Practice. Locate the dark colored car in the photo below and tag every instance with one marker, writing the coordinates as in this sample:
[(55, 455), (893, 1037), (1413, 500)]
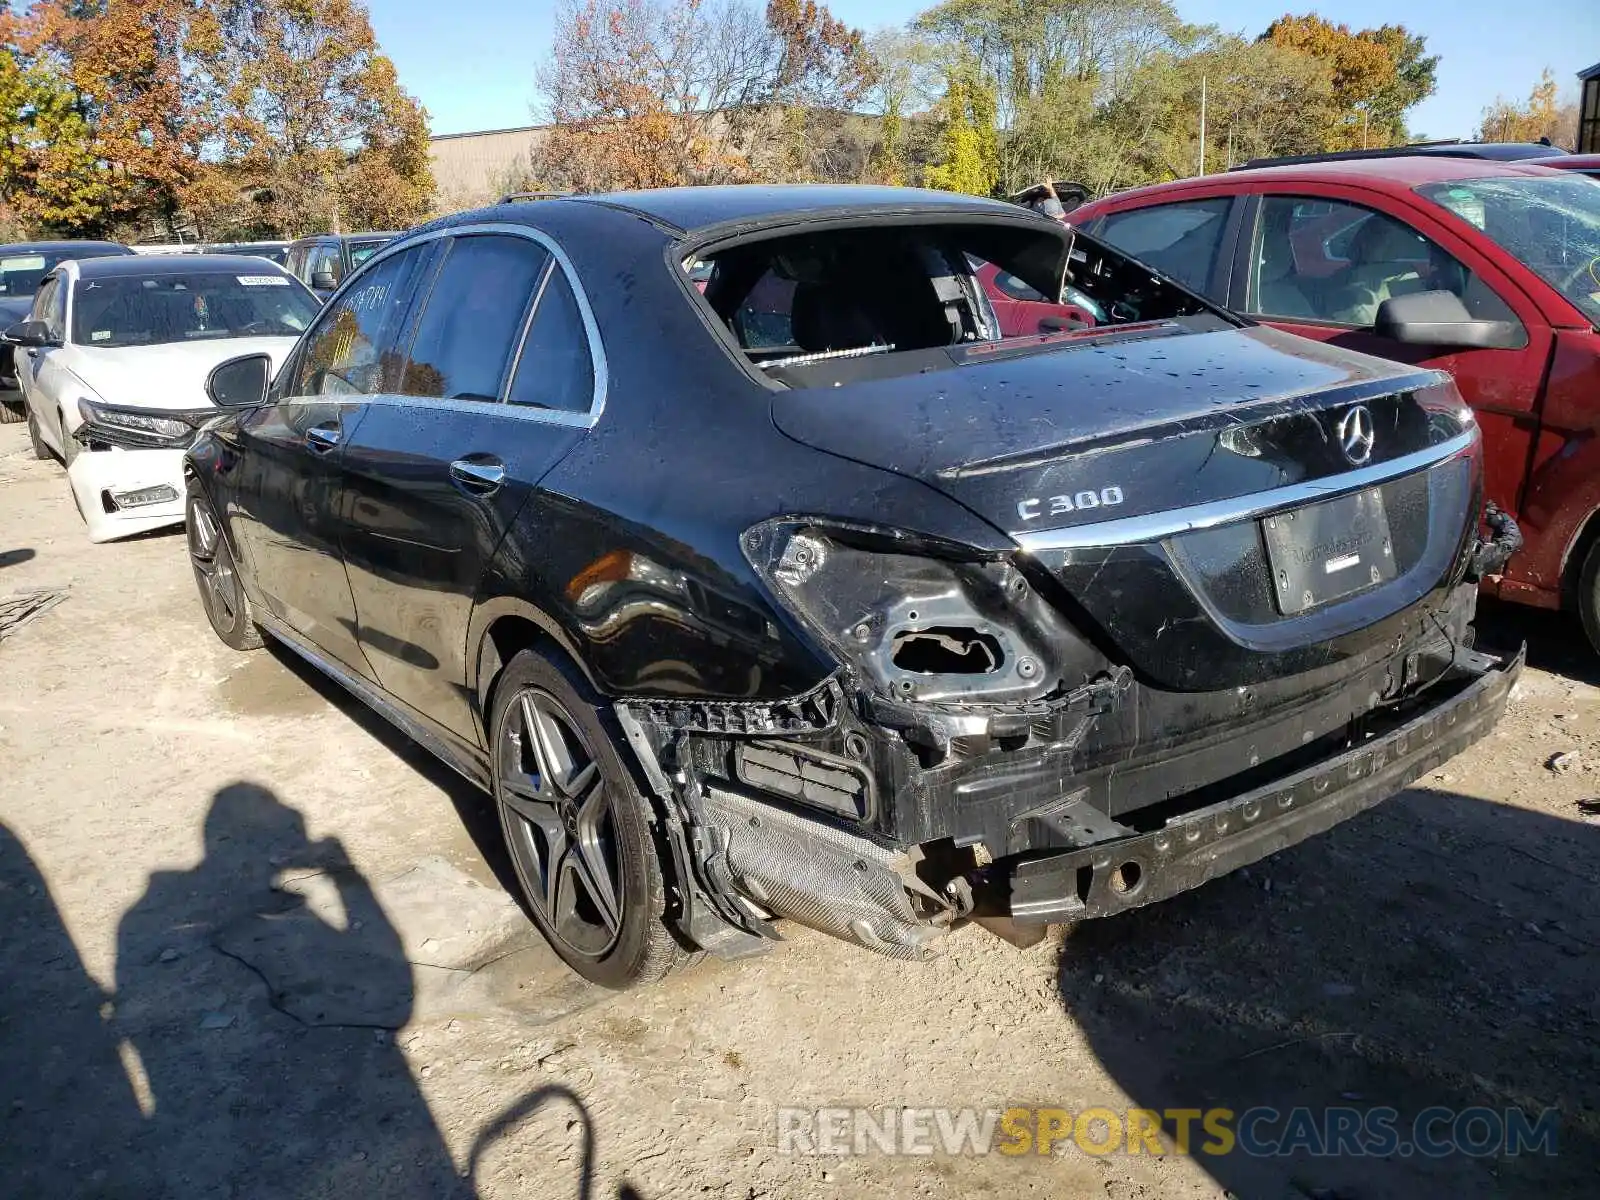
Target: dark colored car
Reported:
[(811, 596), (1484, 151), (22, 266), (323, 261), (277, 252), (1490, 271)]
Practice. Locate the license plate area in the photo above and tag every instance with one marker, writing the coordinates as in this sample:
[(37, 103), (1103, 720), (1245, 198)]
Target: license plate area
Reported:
[(1324, 552)]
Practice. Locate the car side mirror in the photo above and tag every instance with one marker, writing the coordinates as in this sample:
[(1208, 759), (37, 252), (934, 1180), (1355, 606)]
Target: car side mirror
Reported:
[(31, 333), (323, 281), (1440, 319), (240, 382)]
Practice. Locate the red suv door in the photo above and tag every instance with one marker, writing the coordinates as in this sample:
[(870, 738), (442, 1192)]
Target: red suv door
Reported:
[(1320, 262)]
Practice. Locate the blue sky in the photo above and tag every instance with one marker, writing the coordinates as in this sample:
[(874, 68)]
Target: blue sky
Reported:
[(472, 62)]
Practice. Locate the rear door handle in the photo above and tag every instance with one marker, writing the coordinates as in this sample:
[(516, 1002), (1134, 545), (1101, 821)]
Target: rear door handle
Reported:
[(322, 438), (480, 476)]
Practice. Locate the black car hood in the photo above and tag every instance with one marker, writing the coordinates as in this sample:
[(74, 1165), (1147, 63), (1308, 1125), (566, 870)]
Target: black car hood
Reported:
[(14, 309), (1136, 421)]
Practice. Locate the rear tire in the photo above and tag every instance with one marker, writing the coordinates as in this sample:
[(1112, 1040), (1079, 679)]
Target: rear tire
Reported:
[(577, 827), (1587, 597), (216, 574), (40, 450), (13, 412)]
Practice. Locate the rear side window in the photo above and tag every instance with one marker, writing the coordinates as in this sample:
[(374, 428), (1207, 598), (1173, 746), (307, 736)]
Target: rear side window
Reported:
[(361, 251), (556, 370), (1180, 240), (351, 350), (475, 311)]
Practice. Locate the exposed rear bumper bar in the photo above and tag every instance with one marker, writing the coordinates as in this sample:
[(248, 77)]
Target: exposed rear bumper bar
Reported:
[(1197, 847)]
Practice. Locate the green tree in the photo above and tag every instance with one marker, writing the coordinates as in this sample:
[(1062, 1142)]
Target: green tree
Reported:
[(1378, 75), (968, 144)]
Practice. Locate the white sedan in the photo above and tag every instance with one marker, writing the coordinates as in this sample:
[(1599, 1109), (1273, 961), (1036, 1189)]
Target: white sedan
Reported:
[(113, 362)]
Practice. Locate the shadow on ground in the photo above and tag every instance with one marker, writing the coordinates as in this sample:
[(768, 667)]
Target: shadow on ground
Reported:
[(1437, 951), (248, 1049), (1555, 640), (473, 806)]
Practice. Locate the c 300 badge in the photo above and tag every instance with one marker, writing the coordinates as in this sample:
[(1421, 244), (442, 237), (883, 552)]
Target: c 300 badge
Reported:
[(1035, 507)]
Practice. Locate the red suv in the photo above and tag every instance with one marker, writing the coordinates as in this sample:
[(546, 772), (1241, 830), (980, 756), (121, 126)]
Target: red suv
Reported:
[(1488, 270)]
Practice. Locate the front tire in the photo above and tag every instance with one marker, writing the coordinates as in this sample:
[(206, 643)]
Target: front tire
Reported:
[(13, 412), (217, 575), (40, 450), (577, 827)]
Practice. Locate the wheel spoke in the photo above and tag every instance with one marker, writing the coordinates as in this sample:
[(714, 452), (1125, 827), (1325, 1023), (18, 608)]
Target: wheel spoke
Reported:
[(558, 819), (591, 862)]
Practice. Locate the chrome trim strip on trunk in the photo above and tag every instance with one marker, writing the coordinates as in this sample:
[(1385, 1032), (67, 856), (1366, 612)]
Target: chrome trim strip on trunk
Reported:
[(1155, 527)]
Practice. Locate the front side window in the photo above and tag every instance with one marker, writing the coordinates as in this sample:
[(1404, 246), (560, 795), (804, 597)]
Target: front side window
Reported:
[(1326, 260), (325, 261), (353, 349), (474, 314), (146, 310), (1549, 224), (44, 305), (556, 370), (1180, 240)]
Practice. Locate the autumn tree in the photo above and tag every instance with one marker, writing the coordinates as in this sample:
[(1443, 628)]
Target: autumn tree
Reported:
[(1378, 75), (1542, 115), (968, 143), (652, 93), (51, 175), (123, 61), (313, 131)]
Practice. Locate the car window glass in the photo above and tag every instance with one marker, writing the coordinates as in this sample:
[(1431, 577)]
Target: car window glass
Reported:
[(474, 313), (1016, 288), (361, 251), (43, 299), (764, 320), (297, 263), (21, 274), (352, 347), (327, 259), (1180, 240), (555, 370), (1325, 260)]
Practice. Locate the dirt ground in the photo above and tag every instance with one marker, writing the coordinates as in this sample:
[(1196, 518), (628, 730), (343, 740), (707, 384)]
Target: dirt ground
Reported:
[(255, 945)]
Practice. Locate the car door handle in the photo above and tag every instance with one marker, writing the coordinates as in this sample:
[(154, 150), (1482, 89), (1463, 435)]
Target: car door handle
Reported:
[(322, 438), (479, 476)]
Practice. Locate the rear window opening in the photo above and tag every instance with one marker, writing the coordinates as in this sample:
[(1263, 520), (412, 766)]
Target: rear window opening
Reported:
[(887, 298)]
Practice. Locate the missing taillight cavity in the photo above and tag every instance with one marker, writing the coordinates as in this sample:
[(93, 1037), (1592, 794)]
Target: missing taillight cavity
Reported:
[(946, 650)]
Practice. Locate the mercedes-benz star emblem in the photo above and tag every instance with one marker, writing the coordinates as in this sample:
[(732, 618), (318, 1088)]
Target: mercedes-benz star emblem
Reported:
[(1356, 435)]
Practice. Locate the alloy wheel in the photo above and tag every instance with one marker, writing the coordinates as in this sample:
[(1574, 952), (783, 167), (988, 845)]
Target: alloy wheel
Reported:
[(559, 822), (214, 565)]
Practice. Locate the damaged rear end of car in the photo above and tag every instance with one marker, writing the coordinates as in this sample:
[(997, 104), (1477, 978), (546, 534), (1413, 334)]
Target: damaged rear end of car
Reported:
[(1227, 603)]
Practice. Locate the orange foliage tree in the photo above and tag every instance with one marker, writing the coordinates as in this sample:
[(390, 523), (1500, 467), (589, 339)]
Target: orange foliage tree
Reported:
[(1378, 76), (655, 93)]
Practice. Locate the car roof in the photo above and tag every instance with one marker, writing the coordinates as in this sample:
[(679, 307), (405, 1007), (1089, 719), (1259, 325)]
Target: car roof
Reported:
[(687, 209), (1572, 162), (1401, 173), (66, 245), (171, 264), (318, 238)]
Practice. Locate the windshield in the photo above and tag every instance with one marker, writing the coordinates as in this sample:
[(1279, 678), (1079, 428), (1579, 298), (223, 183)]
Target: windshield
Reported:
[(134, 310), (20, 274), (1552, 225)]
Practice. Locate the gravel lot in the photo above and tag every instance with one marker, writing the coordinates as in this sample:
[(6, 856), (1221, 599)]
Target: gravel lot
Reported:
[(255, 945)]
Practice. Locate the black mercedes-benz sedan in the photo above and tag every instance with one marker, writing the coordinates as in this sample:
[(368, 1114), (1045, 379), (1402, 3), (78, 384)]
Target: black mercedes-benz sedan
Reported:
[(720, 536)]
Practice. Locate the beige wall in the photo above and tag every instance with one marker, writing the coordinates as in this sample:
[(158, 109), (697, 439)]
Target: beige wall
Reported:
[(473, 169)]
